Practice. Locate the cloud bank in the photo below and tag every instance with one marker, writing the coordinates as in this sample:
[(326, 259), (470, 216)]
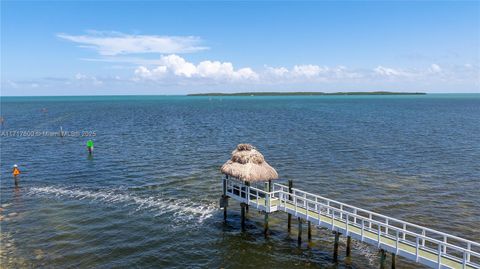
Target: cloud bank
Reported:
[(173, 68), (116, 43), (176, 66)]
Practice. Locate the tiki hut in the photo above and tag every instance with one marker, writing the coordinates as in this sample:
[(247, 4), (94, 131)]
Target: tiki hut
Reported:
[(248, 164)]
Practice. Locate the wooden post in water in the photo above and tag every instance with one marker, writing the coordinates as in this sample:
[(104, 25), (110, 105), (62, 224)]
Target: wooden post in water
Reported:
[(349, 241), (225, 198), (394, 257), (248, 190), (383, 257), (299, 231), (290, 186), (335, 246), (309, 231), (268, 188), (242, 205)]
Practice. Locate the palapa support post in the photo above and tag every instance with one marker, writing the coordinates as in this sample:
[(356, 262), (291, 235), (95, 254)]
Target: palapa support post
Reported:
[(394, 257), (224, 199), (242, 206), (265, 226), (290, 186), (299, 239), (335, 246), (248, 190), (225, 212), (349, 241), (383, 257), (309, 231), (268, 186)]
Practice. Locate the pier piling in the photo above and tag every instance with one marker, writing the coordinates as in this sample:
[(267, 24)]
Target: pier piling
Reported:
[(224, 200), (265, 226), (268, 188), (335, 246), (290, 186), (349, 241), (309, 234), (248, 188), (299, 239), (383, 257), (394, 257), (242, 205), (225, 213)]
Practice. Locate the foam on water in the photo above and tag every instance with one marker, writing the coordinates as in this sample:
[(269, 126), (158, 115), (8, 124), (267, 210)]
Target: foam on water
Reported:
[(181, 209)]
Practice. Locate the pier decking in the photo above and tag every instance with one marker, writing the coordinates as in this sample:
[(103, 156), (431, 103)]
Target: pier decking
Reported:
[(420, 244)]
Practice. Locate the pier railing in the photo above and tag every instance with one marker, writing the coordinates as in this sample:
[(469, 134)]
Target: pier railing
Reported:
[(418, 243), (258, 198)]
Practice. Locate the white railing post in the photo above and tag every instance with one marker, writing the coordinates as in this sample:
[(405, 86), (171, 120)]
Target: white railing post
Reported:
[(464, 262), (280, 198), (469, 248), (328, 208), (423, 238), (444, 250), (416, 249), (439, 256), (386, 226), (355, 216), (363, 227), (306, 211), (333, 219), (346, 226), (396, 243), (404, 229), (295, 201), (379, 232), (370, 221), (319, 208), (341, 212), (267, 196)]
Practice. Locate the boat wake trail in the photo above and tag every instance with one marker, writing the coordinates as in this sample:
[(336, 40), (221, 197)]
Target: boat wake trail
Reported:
[(181, 209)]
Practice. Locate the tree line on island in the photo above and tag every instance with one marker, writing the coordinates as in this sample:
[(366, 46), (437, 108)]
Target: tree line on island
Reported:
[(305, 93)]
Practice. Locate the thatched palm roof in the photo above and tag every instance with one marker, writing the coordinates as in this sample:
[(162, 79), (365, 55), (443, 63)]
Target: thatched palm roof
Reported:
[(248, 164)]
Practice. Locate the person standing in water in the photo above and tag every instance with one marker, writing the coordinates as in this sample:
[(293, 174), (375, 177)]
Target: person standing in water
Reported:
[(16, 173), (90, 147)]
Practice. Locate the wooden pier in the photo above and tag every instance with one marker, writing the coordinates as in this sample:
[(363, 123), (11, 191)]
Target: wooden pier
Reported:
[(420, 244)]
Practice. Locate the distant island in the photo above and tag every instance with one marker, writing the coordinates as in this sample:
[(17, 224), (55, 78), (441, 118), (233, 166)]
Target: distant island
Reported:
[(304, 93)]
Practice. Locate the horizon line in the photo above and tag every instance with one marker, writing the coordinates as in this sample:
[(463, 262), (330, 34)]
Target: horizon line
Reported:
[(224, 94)]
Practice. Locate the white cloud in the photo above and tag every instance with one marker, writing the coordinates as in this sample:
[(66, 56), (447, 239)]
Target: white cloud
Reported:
[(276, 71), (80, 76), (390, 72), (115, 43), (179, 67), (89, 79), (309, 73), (308, 70), (435, 68)]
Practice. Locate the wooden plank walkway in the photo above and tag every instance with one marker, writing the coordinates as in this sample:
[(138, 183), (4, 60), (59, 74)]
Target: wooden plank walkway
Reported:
[(363, 227)]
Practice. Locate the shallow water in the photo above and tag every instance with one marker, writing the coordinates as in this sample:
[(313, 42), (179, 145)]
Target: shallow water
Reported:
[(149, 195)]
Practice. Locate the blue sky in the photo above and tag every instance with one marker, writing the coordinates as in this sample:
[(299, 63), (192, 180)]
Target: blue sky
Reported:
[(83, 48)]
